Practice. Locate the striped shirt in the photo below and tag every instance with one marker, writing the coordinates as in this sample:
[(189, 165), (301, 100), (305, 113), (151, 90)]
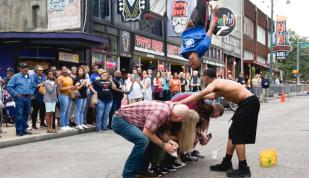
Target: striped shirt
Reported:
[(147, 114)]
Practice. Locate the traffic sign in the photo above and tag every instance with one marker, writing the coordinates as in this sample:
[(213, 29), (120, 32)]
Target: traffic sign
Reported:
[(304, 45)]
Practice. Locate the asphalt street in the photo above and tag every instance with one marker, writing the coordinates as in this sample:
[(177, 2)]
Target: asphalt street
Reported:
[(284, 126)]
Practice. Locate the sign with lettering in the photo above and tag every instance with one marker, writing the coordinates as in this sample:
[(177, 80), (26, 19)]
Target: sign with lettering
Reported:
[(132, 10), (226, 21), (178, 13), (231, 45), (281, 35), (173, 51), (64, 14), (68, 57), (148, 45), (281, 55)]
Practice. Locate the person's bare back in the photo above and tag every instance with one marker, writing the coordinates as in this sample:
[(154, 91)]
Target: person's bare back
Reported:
[(230, 90)]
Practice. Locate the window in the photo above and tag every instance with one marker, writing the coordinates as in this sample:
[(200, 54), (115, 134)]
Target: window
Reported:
[(261, 35), (261, 59), (248, 27), (35, 11), (248, 55), (101, 9)]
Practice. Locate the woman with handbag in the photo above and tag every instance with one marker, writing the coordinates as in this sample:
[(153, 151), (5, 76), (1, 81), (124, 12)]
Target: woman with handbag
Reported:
[(158, 87), (49, 90), (102, 88), (80, 83)]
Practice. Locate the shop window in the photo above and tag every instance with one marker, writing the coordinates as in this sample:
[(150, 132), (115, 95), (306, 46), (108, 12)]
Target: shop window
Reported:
[(98, 59), (101, 9), (111, 63), (152, 23), (248, 55)]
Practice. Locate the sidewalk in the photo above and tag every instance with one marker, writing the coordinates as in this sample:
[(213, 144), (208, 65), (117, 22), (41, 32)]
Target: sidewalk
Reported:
[(8, 136)]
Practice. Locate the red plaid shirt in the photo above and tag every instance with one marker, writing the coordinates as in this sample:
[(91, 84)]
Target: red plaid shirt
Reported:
[(148, 114)]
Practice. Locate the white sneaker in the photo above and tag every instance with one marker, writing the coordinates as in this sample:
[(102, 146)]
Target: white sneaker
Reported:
[(79, 127), (63, 129), (84, 126), (70, 128)]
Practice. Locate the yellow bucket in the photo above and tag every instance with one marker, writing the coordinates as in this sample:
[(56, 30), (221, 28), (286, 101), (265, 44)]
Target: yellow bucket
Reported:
[(268, 158)]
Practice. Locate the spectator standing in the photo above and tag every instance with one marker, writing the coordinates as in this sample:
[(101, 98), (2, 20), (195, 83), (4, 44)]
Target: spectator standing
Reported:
[(188, 79), (50, 100), (147, 86), (158, 87), (80, 83), (240, 79), (265, 87), (117, 96), (166, 87), (175, 84), (183, 82), (66, 87), (95, 74), (21, 87), (136, 90), (37, 102), (103, 88), (255, 85), (277, 81), (195, 82), (74, 71), (9, 75)]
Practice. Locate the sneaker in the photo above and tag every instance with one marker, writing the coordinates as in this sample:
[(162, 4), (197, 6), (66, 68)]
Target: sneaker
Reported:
[(224, 166), (189, 157), (178, 161), (69, 128), (176, 165), (63, 129), (143, 174), (79, 127), (157, 170), (84, 126), (197, 154), (43, 125), (34, 127), (240, 172), (171, 169)]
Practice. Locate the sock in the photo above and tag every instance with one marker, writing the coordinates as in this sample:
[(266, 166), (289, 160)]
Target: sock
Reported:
[(228, 157), (243, 163)]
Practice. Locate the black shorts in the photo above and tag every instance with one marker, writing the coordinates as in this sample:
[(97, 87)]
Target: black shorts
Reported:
[(243, 128), (199, 14)]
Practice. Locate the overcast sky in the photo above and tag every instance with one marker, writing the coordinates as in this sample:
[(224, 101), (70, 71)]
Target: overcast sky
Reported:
[(297, 12)]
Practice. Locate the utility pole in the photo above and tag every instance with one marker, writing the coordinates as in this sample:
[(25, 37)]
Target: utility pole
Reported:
[(271, 41), (297, 62)]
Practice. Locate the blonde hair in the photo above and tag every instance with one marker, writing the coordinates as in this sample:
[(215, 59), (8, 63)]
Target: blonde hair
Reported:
[(102, 71), (187, 133)]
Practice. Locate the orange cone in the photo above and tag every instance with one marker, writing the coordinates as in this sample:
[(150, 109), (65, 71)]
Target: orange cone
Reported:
[(282, 98)]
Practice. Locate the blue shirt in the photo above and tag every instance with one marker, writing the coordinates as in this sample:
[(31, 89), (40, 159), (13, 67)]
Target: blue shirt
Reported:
[(196, 40), (166, 85), (20, 84), (37, 80)]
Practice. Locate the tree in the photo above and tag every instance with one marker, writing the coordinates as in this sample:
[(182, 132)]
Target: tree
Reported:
[(288, 65)]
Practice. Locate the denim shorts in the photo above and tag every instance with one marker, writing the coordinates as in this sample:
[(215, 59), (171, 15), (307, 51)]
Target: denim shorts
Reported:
[(50, 107)]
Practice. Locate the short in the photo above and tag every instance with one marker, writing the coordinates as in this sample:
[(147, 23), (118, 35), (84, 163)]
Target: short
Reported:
[(199, 14), (50, 107), (244, 126)]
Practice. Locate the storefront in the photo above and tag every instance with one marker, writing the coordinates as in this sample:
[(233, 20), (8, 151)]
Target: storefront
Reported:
[(125, 50), (232, 53), (45, 49), (149, 54), (214, 59), (177, 62), (106, 55)]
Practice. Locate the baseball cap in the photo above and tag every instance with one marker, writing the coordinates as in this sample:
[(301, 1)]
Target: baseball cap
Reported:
[(23, 65), (10, 69)]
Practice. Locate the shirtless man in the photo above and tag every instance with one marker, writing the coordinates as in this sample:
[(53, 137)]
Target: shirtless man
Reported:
[(196, 39), (243, 128)]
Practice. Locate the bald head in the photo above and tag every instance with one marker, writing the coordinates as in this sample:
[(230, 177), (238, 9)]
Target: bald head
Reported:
[(179, 112)]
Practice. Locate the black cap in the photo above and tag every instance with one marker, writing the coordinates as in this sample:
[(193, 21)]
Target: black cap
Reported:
[(23, 65), (10, 69)]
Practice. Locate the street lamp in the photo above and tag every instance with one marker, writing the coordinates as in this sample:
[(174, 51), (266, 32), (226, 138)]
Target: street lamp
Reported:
[(271, 39)]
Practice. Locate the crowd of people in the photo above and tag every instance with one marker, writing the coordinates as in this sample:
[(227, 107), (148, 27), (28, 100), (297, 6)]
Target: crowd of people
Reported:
[(77, 96)]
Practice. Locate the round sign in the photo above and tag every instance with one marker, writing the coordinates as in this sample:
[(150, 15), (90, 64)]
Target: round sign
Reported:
[(226, 22)]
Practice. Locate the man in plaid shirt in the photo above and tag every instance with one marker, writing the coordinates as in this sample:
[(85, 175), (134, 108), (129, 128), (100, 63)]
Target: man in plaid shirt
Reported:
[(139, 122)]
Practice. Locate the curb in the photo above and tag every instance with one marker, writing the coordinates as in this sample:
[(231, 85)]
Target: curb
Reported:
[(42, 137)]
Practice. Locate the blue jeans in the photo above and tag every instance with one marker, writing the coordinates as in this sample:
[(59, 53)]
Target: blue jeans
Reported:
[(135, 136), (65, 109), (80, 107), (103, 108), (116, 105), (23, 109)]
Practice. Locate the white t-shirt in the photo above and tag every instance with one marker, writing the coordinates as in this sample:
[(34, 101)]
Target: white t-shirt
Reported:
[(136, 92), (147, 91)]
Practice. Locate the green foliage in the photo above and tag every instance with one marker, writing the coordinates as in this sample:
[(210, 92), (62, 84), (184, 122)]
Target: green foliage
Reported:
[(289, 64)]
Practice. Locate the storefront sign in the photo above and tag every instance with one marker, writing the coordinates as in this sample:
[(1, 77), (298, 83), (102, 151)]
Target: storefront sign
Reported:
[(125, 44), (148, 45), (231, 45), (132, 10), (226, 21), (68, 57), (205, 61), (281, 55), (178, 12), (64, 14), (174, 51)]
